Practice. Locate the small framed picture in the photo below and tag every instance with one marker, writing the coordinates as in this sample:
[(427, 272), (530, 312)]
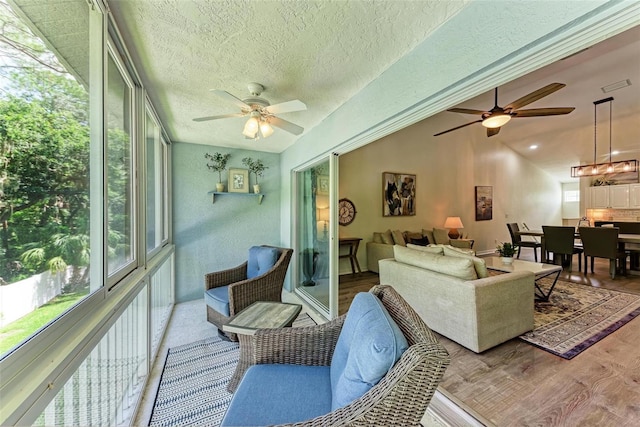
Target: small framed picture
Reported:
[(238, 181), (323, 185)]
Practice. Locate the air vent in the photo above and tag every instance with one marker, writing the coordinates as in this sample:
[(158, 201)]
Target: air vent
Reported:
[(616, 86)]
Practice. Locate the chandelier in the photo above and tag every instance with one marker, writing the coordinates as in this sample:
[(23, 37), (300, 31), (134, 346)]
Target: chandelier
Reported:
[(607, 167)]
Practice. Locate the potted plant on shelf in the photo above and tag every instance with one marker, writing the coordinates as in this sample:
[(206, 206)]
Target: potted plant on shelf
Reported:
[(218, 163), (506, 251), (257, 168)]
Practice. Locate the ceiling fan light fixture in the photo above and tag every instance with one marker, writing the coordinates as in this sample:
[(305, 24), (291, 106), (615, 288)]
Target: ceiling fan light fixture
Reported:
[(496, 120), (265, 129), (251, 127)]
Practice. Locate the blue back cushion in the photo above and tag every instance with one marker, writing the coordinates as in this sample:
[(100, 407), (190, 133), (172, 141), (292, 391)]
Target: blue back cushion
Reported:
[(369, 344), (261, 259)]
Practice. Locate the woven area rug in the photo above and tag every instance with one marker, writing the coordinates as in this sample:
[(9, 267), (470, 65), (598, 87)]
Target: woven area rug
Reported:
[(193, 387), (578, 316)]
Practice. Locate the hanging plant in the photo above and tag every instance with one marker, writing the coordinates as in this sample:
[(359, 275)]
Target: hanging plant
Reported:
[(217, 162)]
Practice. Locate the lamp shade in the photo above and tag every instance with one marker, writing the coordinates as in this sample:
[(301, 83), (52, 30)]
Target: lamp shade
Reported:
[(453, 222), (323, 214)]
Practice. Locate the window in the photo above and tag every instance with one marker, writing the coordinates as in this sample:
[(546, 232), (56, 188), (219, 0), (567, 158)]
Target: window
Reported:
[(120, 194), (44, 168), (572, 196), (156, 152)]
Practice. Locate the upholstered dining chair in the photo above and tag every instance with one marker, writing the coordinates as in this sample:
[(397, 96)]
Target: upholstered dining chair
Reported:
[(260, 278), (602, 242), (516, 239), (561, 241)]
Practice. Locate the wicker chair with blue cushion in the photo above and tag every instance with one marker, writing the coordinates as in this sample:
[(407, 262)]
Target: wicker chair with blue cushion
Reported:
[(378, 365), (260, 278)]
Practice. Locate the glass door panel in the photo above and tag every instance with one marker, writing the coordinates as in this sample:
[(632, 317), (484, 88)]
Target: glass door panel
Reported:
[(312, 232)]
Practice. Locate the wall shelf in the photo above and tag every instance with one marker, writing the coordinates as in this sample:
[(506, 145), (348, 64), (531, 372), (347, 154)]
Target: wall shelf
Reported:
[(260, 196)]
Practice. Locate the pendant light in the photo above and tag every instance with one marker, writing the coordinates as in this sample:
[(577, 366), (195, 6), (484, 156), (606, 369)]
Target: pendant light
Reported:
[(610, 166)]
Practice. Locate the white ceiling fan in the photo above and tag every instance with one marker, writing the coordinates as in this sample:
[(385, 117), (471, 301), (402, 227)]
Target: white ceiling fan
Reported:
[(261, 113)]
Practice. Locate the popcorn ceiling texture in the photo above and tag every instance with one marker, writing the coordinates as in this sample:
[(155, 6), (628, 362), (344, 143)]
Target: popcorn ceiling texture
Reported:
[(320, 52)]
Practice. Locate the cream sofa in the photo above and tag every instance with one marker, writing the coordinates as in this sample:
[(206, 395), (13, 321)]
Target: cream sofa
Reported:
[(381, 246), (478, 313)]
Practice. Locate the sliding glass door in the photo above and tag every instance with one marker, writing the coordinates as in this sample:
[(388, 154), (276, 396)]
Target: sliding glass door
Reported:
[(313, 231)]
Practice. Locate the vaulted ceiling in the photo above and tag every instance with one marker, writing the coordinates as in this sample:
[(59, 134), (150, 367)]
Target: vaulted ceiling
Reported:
[(324, 52)]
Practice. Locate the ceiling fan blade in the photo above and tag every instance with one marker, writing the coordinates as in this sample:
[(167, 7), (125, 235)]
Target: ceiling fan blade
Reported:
[(534, 96), (224, 116), (533, 112), (458, 127), (286, 107), (492, 131), (466, 111), (230, 98), (285, 125)]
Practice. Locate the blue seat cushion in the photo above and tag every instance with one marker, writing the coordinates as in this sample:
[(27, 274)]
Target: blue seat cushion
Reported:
[(280, 394), (261, 259), (218, 299), (369, 344)]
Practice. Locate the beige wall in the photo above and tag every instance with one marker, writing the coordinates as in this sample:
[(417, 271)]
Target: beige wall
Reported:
[(447, 168)]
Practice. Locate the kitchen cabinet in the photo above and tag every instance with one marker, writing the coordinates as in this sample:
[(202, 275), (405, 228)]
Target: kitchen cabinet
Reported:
[(634, 196), (614, 196)]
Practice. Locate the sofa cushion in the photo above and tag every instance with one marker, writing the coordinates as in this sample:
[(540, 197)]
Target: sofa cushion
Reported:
[(398, 238), (429, 235), (218, 299), (377, 237), (261, 259), (437, 250), (264, 396), (452, 266), (387, 238), (369, 345), (441, 236), (478, 263), (415, 238)]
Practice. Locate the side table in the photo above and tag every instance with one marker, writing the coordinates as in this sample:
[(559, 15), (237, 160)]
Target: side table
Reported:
[(259, 315), (352, 244)]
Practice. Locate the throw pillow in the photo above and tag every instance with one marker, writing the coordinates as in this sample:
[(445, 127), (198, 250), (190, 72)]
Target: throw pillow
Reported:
[(441, 236), (438, 250), (429, 235), (398, 238), (415, 238), (478, 263), (387, 238), (377, 237), (452, 266), (370, 343), (261, 259)]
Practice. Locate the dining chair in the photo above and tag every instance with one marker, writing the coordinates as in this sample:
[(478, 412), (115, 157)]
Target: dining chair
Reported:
[(560, 240), (602, 242), (516, 239)]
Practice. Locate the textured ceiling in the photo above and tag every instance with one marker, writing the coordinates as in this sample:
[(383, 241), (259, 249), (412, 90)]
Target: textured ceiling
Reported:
[(325, 52), (320, 52)]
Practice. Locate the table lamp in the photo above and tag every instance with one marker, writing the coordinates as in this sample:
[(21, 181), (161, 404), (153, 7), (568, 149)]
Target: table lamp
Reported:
[(323, 216), (453, 223)]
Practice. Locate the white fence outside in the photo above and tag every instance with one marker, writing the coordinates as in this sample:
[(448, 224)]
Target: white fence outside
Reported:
[(20, 298)]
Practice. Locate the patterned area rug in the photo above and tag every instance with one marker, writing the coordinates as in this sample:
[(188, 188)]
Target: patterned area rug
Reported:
[(578, 316), (193, 387)]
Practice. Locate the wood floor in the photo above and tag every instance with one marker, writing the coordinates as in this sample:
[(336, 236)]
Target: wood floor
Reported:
[(516, 384)]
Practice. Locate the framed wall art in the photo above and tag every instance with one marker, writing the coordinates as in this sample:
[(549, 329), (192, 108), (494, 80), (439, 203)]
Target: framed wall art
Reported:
[(398, 194), (238, 180), (323, 185), (484, 203)]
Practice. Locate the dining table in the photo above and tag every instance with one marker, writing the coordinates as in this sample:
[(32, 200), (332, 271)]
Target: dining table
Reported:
[(623, 240)]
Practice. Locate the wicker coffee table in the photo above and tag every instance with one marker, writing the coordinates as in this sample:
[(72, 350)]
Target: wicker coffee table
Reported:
[(540, 270), (259, 315)]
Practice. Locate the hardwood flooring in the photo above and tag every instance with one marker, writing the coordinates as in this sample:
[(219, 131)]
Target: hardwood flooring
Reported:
[(517, 384)]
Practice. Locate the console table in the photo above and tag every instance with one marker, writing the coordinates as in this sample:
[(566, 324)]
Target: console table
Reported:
[(352, 243)]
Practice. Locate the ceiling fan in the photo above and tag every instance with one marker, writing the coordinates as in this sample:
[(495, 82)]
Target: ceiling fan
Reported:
[(499, 116), (261, 114)]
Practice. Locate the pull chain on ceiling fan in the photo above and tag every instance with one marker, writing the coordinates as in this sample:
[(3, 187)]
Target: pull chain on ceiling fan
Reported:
[(262, 115), (497, 117)]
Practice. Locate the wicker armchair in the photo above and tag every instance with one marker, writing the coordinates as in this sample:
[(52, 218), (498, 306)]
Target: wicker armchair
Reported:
[(243, 292), (400, 398)]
